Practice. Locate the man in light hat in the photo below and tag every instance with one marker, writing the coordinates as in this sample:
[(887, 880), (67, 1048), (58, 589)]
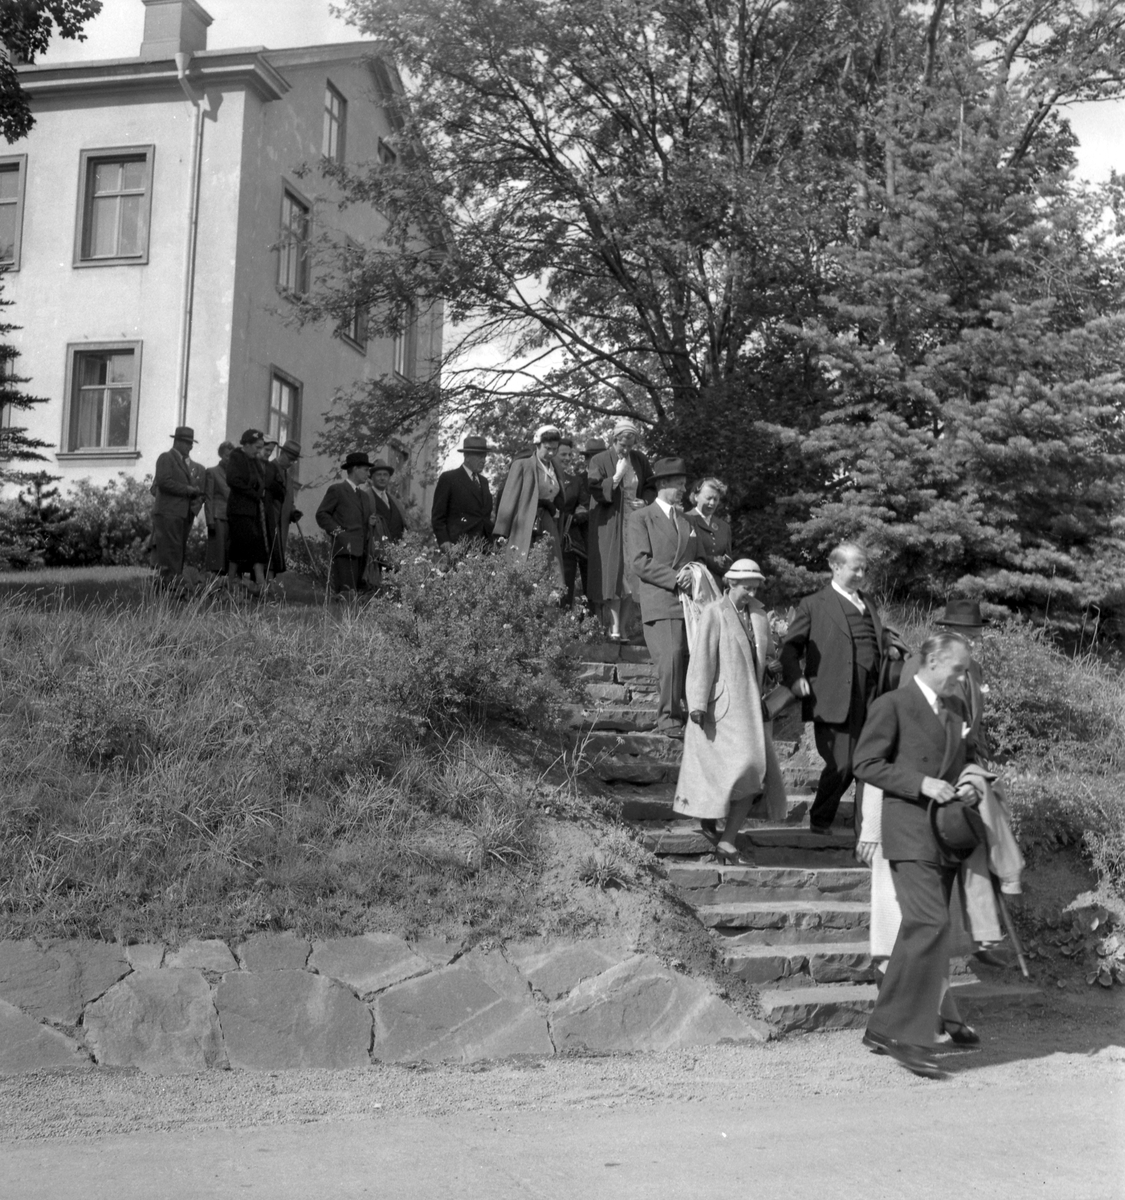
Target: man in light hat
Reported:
[(281, 496), (462, 507), (666, 543), (347, 514), (178, 487)]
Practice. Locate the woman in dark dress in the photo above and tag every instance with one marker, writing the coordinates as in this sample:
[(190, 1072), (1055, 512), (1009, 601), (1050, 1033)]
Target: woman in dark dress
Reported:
[(713, 531), (246, 513)]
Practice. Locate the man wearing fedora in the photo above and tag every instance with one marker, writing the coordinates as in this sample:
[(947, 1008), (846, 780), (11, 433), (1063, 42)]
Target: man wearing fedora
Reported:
[(391, 523), (281, 495), (665, 543), (963, 617), (914, 746), (839, 635), (346, 514), (178, 487), (462, 507)]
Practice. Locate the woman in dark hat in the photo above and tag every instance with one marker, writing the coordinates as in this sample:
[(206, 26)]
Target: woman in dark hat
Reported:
[(246, 513)]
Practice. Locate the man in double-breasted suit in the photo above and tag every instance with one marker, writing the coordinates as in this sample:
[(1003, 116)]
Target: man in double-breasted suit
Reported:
[(178, 487), (963, 617), (346, 514), (914, 745), (838, 633), (462, 506), (665, 542)]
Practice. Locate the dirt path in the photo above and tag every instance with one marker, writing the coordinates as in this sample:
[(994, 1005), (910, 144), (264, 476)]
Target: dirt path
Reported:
[(1041, 1110)]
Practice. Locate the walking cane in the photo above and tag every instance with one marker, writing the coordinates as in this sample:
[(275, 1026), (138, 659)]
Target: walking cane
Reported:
[(308, 551), (1009, 925)]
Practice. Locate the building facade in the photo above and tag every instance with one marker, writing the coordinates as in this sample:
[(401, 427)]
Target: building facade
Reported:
[(156, 225)]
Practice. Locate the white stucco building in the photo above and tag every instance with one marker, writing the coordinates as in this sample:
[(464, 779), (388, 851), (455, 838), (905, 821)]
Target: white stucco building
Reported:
[(155, 229)]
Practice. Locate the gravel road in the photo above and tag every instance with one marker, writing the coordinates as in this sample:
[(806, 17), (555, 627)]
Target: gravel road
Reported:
[(1045, 1079)]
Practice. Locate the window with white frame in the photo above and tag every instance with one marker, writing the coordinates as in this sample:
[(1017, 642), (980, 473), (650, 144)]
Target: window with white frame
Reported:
[(335, 124), (293, 257), (11, 209), (284, 421), (116, 202), (405, 342), (102, 400)]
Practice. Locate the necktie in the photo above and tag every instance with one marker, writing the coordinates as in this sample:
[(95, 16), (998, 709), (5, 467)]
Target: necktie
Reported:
[(675, 523)]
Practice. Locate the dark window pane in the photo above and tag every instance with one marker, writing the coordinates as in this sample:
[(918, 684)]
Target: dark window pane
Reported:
[(7, 233), (89, 418), (120, 412), (130, 242), (134, 180)]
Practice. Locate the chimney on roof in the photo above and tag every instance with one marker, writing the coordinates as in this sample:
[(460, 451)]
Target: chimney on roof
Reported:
[(174, 27)]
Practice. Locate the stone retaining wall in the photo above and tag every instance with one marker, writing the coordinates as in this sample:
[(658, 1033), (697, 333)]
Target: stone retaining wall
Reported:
[(277, 1001)]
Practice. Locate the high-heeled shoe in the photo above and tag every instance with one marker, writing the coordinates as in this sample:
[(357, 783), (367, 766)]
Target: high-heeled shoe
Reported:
[(709, 829), (733, 857)]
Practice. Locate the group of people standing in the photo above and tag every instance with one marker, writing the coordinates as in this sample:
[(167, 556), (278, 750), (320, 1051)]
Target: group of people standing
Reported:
[(248, 499)]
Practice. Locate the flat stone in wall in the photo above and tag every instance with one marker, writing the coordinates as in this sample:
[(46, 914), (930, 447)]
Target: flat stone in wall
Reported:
[(642, 1005), (145, 956), (554, 968), (369, 963), (26, 1045), (54, 983), (203, 954), (454, 1015), (279, 1020), (274, 952), (160, 1021)]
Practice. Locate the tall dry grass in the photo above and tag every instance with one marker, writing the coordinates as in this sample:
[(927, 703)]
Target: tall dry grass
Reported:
[(177, 769)]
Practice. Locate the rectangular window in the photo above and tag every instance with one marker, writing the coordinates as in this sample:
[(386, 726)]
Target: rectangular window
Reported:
[(354, 329), (293, 259), (385, 154), (335, 124), (405, 343), (12, 171), (102, 399), (285, 408), (115, 205)]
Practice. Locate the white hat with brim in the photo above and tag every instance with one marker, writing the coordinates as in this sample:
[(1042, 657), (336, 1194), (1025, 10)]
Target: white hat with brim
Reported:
[(743, 569)]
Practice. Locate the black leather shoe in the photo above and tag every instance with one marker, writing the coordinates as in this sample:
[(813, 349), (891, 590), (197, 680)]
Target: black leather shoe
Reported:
[(961, 1034), (820, 830), (914, 1058)]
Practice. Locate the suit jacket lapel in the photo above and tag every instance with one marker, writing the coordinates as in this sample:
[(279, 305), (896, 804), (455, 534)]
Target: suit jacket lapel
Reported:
[(837, 611)]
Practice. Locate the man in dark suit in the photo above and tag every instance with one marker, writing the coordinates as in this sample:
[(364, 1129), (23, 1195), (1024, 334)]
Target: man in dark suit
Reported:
[(840, 636), (462, 500), (666, 543), (178, 487), (963, 617), (914, 746), (346, 514), (281, 498)]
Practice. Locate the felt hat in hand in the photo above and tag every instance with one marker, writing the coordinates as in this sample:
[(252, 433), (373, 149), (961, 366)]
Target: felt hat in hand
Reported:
[(962, 614)]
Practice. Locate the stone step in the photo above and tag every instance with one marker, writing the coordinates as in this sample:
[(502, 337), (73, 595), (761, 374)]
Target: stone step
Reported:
[(846, 1006), (831, 1006), (705, 883), (654, 803), (620, 718), (614, 652), (802, 964), (776, 922), (679, 838)]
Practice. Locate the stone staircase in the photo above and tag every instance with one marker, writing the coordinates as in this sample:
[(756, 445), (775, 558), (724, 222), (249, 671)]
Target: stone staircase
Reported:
[(795, 924)]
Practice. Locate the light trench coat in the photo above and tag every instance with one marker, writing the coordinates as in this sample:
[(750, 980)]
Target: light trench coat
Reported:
[(731, 756)]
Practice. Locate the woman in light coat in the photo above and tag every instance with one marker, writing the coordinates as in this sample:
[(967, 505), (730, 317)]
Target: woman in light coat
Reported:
[(529, 503), (620, 480), (729, 759)]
